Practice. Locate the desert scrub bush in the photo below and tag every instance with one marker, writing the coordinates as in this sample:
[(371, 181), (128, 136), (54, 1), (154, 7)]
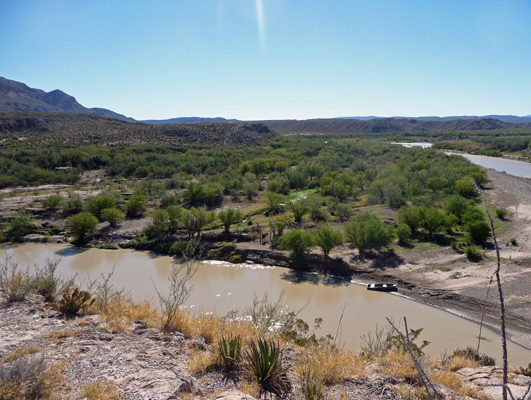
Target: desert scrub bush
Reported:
[(179, 292), (229, 351), (103, 290), (20, 225), (29, 378), (263, 362), (101, 390), (73, 301), (376, 344), (472, 251), (501, 212), (403, 232), (53, 201), (73, 204), (47, 282), (15, 285), (136, 206), (472, 354), (112, 215)]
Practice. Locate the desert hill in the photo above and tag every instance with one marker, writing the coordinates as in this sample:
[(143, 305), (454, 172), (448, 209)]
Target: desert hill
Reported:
[(78, 129), (16, 96), (381, 125)]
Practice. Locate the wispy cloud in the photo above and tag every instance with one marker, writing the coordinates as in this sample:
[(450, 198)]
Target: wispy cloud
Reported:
[(260, 20)]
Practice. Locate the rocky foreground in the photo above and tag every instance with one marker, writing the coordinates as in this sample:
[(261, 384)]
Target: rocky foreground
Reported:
[(141, 363)]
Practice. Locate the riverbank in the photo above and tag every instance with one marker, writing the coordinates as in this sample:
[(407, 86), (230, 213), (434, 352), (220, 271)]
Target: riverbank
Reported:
[(125, 355)]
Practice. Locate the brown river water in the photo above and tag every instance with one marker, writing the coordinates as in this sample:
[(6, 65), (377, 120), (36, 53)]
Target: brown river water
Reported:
[(221, 287)]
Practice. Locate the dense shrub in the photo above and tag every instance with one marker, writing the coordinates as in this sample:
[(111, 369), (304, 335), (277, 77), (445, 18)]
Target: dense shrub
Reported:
[(366, 231), (81, 225)]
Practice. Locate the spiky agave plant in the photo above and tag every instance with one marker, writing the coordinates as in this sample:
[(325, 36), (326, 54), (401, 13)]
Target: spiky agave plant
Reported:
[(264, 361), (230, 351)]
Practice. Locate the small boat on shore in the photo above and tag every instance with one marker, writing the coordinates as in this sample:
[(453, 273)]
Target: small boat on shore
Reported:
[(382, 287)]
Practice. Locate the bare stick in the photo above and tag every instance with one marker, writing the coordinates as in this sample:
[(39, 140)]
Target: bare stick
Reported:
[(339, 324), (422, 375), (500, 292), (483, 313)]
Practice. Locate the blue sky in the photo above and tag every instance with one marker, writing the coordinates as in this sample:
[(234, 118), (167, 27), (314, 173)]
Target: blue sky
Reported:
[(274, 59)]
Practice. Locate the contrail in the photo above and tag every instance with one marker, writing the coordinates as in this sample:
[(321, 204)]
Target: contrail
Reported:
[(260, 20)]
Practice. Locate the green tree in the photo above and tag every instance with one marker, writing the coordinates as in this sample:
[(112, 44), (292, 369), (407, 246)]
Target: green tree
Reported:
[(465, 187), (159, 224), (434, 221), (365, 231), (403, 232), (194, 194), (457, 205), (230, 216), (299, 209), (297, 242), (411, 216), (327, 238), (136, 206), (343, 211), (478, 231), (99, 203), (112, 215), (81, 225), (174, 216), (274, 202), (195, 219)]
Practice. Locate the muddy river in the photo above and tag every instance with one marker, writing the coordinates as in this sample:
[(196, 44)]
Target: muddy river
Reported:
[(221, 287)]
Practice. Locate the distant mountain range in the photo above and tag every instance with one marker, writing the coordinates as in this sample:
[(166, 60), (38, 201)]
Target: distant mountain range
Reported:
[(381, 125), (18, 97), (505, 118), (187, 120)]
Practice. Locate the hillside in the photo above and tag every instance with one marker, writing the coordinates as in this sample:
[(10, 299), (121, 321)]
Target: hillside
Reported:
[(78, 129), (380, 125), (16, 96)]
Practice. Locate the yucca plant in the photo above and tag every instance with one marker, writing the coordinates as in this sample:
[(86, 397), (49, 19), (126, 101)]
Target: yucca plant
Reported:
[(73, 301), (230, 351), (264, 362)]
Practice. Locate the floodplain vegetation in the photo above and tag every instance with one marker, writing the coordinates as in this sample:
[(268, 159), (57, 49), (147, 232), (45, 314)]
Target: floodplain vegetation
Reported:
[(251, 347), (308, 193)]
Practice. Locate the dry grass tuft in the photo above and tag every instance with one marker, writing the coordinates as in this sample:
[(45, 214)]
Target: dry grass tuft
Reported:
[(398, 364), (101, 390), (333, 364), (27, 349), (119, 313), (30, 379), (55, 336), (201, 362), (458, 362), (251, 388)]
